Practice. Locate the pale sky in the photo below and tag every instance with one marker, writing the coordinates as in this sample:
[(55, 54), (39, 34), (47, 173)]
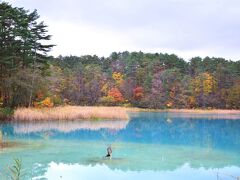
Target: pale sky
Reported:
[(187, 28)]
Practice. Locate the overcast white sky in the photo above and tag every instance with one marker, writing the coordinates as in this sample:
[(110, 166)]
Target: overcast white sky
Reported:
[(185, 27)]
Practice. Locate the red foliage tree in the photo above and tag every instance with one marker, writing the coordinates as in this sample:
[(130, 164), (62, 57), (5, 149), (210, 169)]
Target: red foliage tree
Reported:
[(138, 93)]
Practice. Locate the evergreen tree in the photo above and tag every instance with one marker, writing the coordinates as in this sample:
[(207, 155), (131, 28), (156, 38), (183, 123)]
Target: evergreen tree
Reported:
[(21, 47)]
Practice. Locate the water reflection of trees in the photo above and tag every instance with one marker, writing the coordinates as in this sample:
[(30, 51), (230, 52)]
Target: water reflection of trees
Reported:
[(7, 144), (1, 137), (161, 128), (205, 115), (171, 129), (170, 141), (69, 126)]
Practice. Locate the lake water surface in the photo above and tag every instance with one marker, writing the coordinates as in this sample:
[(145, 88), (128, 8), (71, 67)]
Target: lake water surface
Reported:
[(151, 145)]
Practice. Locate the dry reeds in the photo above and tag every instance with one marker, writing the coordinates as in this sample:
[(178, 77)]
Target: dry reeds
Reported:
[(69, 113)]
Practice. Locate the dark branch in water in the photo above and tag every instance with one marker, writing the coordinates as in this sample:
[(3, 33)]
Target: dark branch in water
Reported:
[(109, 152)]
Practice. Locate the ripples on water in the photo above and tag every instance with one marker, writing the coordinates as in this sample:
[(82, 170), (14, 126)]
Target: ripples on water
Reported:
[(149, 146)]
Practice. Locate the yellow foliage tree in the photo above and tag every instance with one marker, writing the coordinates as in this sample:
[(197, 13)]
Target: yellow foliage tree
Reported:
[(209, 83), (204, 83), (105, 88), (196, 85), (233, 97), (191, 101), (47, 102), (118, 77)]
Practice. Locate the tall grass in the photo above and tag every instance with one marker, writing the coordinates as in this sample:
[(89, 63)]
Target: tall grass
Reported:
[(69, 113)]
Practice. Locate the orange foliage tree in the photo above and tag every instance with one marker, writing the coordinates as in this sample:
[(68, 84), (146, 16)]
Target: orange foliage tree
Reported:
[(46, 102), (113, 97), (116, 95)]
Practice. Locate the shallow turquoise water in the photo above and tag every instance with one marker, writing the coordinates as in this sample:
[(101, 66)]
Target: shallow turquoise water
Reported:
[(148, 146)]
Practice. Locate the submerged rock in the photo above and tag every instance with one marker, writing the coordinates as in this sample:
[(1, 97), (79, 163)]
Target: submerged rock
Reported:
[(11, 144)]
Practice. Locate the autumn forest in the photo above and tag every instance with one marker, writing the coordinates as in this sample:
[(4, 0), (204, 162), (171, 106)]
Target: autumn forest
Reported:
[(29, 77)]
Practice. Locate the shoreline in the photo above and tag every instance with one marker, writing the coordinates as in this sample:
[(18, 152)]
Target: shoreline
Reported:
[(191, 114), (200, 111), (106, 112)]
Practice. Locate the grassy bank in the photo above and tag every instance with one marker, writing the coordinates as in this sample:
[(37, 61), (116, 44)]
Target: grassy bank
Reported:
[(69, 113)]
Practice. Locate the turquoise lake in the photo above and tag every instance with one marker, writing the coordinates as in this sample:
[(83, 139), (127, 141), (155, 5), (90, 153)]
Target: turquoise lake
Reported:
[(150, 145)]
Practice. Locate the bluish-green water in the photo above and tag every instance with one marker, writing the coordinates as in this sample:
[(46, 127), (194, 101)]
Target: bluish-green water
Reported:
[(148, 146)]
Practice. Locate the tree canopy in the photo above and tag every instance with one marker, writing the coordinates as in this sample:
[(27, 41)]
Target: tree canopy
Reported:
[(28, 77), (149, 80)]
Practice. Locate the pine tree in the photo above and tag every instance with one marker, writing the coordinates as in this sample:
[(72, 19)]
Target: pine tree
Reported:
[(21, 47)]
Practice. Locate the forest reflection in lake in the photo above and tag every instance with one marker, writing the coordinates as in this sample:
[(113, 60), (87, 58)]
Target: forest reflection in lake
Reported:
[(157, 142)]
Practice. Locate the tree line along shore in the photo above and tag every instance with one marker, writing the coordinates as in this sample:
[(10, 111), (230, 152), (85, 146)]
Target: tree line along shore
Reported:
[(71, 113), (31, 78)]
